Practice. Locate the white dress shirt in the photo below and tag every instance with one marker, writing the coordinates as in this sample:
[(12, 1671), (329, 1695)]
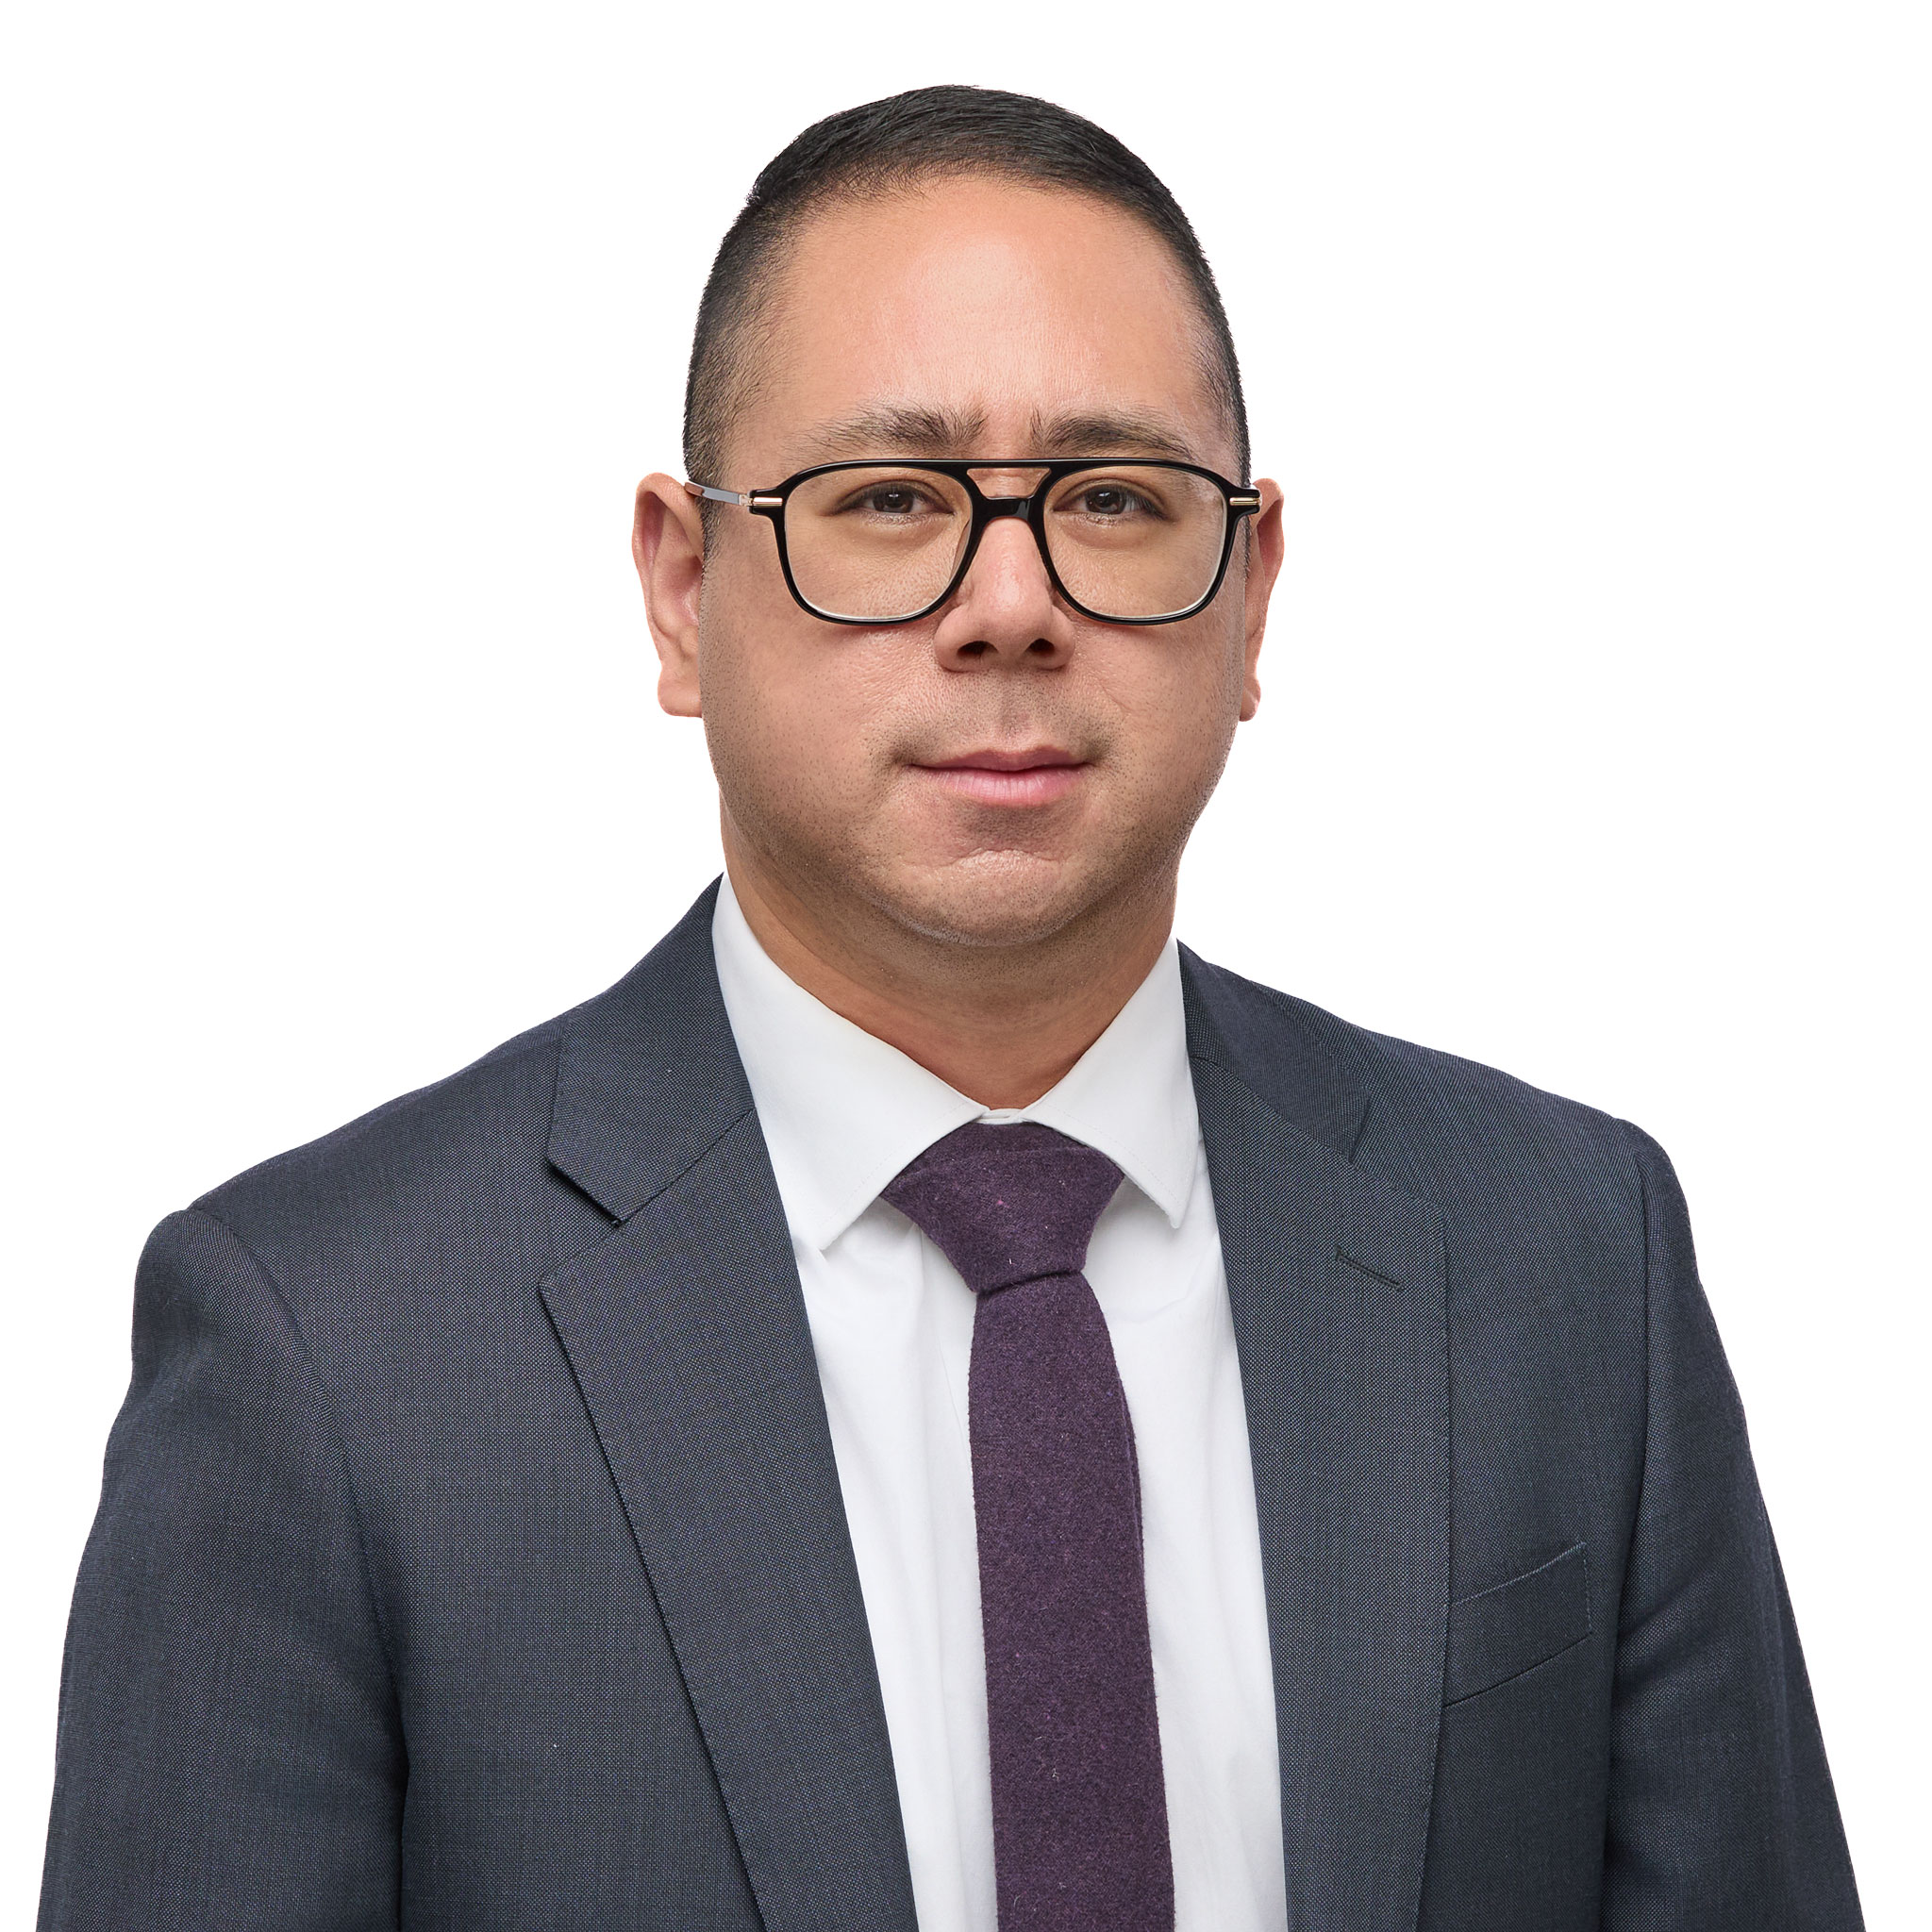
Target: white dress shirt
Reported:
[(892, 1325)]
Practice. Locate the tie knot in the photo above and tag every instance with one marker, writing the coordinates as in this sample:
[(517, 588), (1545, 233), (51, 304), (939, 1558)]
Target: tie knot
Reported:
[(1006, 1205)]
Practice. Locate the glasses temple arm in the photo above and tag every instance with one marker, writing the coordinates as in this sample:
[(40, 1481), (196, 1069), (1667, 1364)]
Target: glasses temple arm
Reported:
[(711, 495)]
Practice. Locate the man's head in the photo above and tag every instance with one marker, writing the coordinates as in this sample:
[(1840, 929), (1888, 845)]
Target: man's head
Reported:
[(885, 146), (953, 273)]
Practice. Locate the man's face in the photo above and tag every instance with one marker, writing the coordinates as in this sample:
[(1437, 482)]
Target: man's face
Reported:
[(993, 773)]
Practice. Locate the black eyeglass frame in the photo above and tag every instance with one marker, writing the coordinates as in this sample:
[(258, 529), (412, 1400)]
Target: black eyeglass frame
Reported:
[(1240, 501)]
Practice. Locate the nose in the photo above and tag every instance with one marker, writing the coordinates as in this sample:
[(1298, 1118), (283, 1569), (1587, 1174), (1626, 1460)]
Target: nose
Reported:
[(1006, 609)]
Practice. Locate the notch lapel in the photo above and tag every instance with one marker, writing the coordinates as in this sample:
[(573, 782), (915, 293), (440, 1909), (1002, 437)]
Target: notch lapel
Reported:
[(687, 1331), (1336, 1287)]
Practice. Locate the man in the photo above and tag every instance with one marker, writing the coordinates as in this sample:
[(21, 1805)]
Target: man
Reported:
[(926, 1403)]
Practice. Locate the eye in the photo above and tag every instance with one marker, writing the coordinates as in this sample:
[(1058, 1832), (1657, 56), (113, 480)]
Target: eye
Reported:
[(892, 499), (1112, 500)]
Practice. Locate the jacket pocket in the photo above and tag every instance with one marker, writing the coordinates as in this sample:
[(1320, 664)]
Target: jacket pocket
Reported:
[(1499, 1633)]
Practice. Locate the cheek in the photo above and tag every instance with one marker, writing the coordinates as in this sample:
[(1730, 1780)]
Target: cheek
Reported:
[(1177, 698), (744, 593), (792, 707)]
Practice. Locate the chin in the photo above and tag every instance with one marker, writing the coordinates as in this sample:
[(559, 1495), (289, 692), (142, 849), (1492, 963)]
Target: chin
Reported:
[(1001, 900)]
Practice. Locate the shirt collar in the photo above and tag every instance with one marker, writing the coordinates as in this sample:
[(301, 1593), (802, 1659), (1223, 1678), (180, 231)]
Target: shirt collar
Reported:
[(843, 1111)]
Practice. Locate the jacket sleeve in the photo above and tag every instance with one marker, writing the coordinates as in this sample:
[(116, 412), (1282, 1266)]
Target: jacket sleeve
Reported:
[(230, 1749), (1721, 1812)]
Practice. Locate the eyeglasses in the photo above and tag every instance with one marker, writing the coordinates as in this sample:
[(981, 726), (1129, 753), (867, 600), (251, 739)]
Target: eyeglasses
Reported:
[(1123, 540)]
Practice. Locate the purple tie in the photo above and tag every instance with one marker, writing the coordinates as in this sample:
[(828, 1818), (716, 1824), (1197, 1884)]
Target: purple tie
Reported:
[(1079, 1808)]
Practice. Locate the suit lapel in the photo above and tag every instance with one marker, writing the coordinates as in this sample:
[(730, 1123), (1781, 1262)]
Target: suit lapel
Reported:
[(687, 1332), (1336, 1287)]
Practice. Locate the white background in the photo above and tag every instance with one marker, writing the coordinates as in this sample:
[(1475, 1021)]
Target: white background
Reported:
[(1590, 347)]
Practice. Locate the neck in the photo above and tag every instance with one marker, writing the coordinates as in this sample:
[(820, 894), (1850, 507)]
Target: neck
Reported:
[(999, 1024)]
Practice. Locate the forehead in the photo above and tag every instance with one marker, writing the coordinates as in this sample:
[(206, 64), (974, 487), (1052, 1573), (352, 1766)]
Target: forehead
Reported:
[(1001, 311)]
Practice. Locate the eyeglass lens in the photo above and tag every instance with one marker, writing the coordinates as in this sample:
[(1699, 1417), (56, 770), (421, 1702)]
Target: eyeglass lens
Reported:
[(883, 543)]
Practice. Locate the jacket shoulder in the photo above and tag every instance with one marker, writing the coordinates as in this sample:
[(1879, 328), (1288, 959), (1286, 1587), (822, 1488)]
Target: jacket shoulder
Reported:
[(402, 1193), (1423, 1116), (441, 1122), (469, 1185)]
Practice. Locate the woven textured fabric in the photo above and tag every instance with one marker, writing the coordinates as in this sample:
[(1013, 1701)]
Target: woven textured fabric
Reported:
[(1079, 1806)]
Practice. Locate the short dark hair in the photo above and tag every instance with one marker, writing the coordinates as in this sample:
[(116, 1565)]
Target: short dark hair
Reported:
[(887, 144)]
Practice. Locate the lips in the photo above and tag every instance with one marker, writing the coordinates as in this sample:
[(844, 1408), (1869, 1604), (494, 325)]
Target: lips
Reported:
[(1035, 774)]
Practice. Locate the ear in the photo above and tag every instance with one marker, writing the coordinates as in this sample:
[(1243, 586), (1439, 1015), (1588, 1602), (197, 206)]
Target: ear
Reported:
[(667, 539), (1266, 547)]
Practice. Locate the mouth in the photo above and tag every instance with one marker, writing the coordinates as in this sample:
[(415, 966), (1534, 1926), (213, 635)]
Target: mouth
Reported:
[(1037, 775)]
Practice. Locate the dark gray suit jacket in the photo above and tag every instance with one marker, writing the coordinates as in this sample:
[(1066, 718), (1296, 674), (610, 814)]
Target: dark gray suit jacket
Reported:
[(471, 1552)]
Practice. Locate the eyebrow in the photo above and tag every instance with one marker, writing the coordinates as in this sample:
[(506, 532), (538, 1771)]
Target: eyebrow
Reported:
[(894, 430), (898, 429), (1109, 433)]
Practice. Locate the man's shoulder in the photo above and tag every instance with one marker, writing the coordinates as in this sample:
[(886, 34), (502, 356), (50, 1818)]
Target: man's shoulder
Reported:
[(445, 1153), (492, 1127), (516, 1161), (1423, 1115)]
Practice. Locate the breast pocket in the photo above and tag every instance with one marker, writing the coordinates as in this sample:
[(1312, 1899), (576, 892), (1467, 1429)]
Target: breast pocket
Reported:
[(1499, 1633)]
